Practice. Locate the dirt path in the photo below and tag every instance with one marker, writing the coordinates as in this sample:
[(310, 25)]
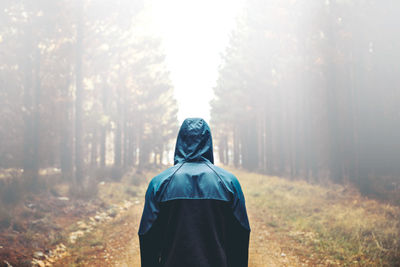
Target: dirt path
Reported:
[(266, 247), (293, 224), (120, 244), (121, 248)]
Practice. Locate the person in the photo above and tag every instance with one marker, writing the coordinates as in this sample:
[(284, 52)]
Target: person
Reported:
[(194, 213)]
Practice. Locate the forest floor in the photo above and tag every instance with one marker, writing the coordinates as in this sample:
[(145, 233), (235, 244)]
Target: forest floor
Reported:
[(293, 224)]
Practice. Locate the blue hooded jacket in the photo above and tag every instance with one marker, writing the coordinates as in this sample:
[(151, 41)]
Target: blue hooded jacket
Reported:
[(194, 213)]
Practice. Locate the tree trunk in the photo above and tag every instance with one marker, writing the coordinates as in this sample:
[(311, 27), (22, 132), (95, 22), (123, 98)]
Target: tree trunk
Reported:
[(236, 150), (93, 152), (103, 146), (32, 118), (117, 145), (103, 130), (78, 97), (28, 109)]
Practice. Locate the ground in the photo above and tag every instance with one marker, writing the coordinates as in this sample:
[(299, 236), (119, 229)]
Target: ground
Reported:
[(121, 247), (293, 223)]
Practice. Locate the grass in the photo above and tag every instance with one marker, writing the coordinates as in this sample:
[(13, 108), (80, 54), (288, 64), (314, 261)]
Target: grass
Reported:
[(334, 221), (95, 243)]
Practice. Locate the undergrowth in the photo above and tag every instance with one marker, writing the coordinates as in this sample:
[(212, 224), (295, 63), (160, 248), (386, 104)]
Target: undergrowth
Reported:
[(335, 221)]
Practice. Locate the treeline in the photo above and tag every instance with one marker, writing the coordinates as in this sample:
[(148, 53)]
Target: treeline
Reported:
[(311, 90), (81, 84)]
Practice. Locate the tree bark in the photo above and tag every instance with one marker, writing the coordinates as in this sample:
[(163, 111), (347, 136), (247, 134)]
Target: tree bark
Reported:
[(79, 97)]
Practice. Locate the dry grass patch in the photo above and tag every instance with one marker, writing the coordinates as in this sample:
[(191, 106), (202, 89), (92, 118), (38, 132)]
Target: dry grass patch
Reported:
[(335, 221)]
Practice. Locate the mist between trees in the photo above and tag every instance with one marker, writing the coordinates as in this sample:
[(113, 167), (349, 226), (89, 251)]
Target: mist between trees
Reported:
[(81, 87), (310, 90), (306, 90)]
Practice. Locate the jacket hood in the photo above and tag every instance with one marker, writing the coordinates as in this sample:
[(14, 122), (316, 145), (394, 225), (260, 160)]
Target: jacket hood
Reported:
[(194, 142)]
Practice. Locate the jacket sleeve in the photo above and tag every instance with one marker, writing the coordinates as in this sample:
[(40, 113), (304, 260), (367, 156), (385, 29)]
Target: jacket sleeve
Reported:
[(239, 229), (149, 230)]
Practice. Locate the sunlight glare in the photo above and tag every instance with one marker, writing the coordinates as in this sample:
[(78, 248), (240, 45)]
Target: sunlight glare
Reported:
[(195, 33)]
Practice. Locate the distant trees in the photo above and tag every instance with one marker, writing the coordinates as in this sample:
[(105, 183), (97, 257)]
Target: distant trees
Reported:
[(80, 86), (311, 90)]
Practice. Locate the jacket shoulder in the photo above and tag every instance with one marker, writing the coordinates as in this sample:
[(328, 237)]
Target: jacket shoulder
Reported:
[(157, 181), (238, 202), (226, 176)]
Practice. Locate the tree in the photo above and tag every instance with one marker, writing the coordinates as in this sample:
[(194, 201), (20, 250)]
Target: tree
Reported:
[(308, 91)]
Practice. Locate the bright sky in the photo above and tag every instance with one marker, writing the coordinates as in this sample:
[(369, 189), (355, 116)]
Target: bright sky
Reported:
[(194, 33)]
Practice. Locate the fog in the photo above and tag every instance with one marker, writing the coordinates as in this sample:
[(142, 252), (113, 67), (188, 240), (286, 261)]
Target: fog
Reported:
[(93, 90), (193, 47), (310, 91)]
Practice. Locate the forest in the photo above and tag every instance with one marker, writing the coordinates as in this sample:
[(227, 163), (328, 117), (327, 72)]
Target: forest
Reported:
[(318, 96), (81, 89), (305, 109)]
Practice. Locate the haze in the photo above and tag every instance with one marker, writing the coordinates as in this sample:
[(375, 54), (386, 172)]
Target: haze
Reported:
[(195, 34), (303, 100)]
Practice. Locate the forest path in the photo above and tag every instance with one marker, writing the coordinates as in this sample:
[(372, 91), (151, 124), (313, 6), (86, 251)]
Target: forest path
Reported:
[(266, 247), (120, 244)]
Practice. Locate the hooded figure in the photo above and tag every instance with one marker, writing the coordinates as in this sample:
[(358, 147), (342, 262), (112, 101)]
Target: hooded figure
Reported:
[(194, 213)]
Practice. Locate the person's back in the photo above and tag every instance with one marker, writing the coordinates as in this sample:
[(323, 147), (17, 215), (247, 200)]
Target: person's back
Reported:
[(195, 212)]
